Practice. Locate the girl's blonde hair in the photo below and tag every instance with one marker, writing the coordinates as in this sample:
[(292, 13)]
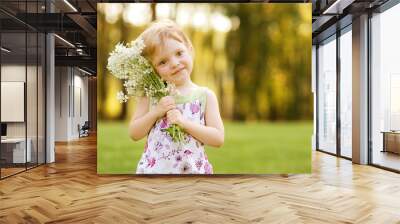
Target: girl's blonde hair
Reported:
[(156, 34)]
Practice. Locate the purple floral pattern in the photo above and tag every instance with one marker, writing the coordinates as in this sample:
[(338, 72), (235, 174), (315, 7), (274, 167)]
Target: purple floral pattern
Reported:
[(164, 123), (194, 107), (163, 156)]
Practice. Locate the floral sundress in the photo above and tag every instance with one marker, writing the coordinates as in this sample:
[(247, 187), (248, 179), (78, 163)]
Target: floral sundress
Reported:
[(163, 156)]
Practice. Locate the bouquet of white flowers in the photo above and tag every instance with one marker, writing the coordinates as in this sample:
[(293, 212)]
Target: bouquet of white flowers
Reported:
[(140, 79)]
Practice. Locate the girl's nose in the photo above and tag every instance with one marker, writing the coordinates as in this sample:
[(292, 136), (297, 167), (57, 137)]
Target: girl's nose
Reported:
[(174, 62)]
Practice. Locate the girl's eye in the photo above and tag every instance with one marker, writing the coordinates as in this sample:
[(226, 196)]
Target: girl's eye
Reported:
[(179, 53), (161, 62)]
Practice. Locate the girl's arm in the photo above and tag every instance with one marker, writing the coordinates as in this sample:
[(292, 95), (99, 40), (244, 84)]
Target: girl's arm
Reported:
[(213, 133), (143, 120)]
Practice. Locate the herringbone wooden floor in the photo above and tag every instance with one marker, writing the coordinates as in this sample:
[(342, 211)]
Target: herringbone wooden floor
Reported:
[(70, 191)]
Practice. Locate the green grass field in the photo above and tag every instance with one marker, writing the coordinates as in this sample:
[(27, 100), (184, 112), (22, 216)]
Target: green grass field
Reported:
[(249, 148)]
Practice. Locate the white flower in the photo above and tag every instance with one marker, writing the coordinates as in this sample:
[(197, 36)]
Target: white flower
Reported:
[(140, 79), (122, 97)]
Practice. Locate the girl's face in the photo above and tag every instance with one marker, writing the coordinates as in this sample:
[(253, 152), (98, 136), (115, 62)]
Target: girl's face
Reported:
[(173, 61)]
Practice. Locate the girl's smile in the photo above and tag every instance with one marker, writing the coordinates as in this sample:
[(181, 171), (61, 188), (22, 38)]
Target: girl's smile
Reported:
[(178, 71)]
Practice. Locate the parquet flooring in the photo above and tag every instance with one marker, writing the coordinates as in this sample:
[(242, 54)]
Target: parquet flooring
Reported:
[(9, 171), (70, 191)]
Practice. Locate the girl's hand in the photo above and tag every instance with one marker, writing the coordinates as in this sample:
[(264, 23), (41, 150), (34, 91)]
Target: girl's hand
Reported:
[(174, 116), (165, 104)]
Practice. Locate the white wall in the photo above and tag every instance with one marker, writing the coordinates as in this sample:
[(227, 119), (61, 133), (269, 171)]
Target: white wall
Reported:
[(81, 94), (71, 87), (14, 73), (61, 103)]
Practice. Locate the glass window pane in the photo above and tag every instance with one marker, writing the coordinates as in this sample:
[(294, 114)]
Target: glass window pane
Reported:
[(23, 71), (31, 97), (346, 94), (386, 89), (13, 86), (327, 96), (41, 98)]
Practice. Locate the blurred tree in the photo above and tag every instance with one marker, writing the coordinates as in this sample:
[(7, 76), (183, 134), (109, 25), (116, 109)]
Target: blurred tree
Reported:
[(271, 65), (248, 53), (101, 64), (260, 69)]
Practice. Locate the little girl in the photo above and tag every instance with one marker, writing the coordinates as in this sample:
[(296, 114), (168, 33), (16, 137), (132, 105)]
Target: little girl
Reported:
[(194, 109)]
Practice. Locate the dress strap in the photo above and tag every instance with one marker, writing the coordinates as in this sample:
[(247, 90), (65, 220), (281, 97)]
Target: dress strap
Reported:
[(203, 97), (199, 93)]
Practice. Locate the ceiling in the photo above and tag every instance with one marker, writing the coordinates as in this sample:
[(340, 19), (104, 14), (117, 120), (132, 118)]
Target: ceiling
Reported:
[(331, 15), (74, 22)]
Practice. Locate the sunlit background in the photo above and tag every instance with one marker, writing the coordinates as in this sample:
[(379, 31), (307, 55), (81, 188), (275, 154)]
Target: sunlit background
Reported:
[(255, 57)]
